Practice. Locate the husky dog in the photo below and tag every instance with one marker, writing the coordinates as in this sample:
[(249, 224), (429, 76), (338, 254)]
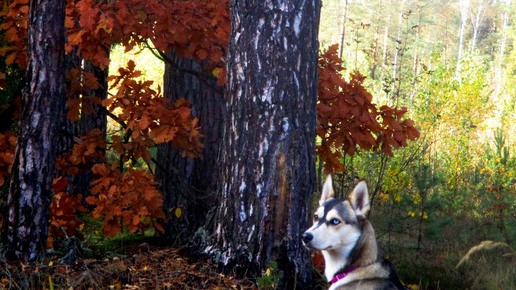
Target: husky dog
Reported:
[(348, 243)]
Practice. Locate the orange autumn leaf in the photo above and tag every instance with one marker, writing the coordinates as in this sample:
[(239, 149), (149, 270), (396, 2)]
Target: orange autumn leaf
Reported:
[(134, 202), (8, 145), (63, 212), (347, 120), (194, 29), (149, 118)]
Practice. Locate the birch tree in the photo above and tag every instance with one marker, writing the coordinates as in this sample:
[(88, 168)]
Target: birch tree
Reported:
[(464, 10), (478, 17), (503, 43)]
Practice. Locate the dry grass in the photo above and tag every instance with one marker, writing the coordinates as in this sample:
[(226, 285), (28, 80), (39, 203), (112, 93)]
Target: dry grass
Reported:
[(489, 265)]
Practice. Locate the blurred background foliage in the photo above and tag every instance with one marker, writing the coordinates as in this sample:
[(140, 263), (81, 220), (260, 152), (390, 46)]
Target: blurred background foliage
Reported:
[(455, 186)]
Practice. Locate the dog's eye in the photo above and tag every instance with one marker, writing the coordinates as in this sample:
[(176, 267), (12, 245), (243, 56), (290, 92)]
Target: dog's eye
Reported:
[(335, 222), (316, 217)]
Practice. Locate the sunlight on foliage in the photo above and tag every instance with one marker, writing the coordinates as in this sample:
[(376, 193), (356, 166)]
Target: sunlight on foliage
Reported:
[(348, 120), (149, 118), (145, 61)]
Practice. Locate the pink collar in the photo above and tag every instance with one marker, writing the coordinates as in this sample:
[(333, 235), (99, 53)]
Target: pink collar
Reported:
[(342, 275)]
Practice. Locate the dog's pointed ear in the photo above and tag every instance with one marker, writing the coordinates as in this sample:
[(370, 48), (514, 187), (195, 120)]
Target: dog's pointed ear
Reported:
[(359, 199), (327, 191)]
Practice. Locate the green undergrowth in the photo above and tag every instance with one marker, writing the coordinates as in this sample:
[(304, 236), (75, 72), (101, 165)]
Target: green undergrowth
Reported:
[(440, 263)]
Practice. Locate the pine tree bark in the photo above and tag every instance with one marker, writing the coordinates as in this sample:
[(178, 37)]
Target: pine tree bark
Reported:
[(69, 129), (189, 184), (30, 191), (267, 161), (96, 118), (93, 117)]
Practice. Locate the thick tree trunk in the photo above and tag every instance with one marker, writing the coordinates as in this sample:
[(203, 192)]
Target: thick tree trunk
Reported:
[(95, 117), (92, 117), (188, 184), (30, 191), (267, 161), (69, 129)]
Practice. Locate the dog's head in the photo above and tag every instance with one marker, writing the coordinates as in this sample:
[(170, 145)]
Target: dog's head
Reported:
[(337, 221)]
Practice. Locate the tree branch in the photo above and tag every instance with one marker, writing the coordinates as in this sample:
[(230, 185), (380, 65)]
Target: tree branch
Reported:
[(204, 78)]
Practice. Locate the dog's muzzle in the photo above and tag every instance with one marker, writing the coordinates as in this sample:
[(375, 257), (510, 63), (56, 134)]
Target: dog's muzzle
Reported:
[(307, 238)]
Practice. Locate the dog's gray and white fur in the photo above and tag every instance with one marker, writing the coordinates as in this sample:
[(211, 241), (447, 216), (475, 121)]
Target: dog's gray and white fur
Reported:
[(348, 242)]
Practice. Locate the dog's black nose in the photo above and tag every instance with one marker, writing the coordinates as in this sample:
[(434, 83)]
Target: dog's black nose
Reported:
[(307, 238)]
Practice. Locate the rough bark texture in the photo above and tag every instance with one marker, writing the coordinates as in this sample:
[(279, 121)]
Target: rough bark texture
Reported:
[(30, 191), (69, 129), (187, 183), (268, 154), (94, 117)]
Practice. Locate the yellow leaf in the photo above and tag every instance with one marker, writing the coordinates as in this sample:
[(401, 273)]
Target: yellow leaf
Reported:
[(178, 212), (216, 72)]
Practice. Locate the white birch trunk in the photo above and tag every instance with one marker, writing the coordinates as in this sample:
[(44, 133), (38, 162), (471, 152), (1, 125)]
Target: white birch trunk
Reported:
[(503, 43), (385, 40), (477, 22), (464, 8)]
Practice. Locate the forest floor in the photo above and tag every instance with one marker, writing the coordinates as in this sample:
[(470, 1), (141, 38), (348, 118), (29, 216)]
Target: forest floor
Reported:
[(141, 267)]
